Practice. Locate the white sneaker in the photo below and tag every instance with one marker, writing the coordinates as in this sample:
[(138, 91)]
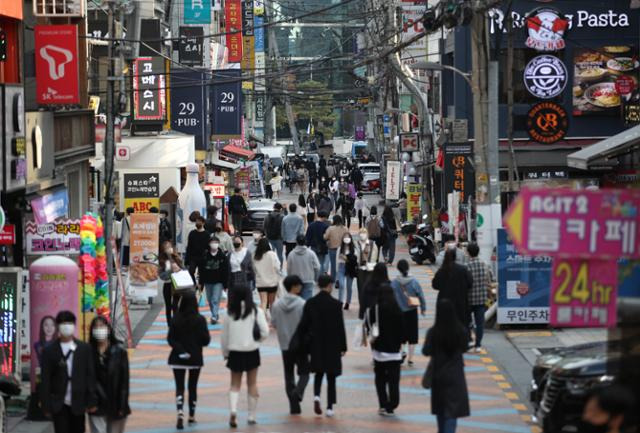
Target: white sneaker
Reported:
[(478, 349), (330, 413)]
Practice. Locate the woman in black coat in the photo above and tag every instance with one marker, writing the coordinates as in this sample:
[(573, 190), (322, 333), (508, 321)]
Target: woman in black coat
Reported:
[(445, 343), (453, 281), (379, 276), (322, 332), (188, 334)]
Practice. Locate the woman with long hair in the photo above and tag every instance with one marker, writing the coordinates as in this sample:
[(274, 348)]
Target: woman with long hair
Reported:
[(311, 207), (241, 272), (48, 332), (347, 269), (243, 330), (453, 281), (445, 343), (389, 229), (188, 334), (169, 262), (267, 267), (302, 209), (112, 378), (379, 276)]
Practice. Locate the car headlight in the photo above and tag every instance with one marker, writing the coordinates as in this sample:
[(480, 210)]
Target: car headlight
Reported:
[(582, 385), (548, 361)]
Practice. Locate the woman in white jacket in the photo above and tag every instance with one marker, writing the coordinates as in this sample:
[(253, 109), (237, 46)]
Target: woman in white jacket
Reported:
[(267, 267), (244, 328)]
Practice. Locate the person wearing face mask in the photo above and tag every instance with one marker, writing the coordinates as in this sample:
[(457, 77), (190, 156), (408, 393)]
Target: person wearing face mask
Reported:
[(226, 243), (112, 379), (241, 272), (169, 262), (347, 269), (256, 235), (165, 231), (213, 272), (68, 388), (197, 245), (608, 410)]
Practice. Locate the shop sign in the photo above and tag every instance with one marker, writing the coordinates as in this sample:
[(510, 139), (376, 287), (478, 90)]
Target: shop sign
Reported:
[(49, 207), (197, 11), (386, 125), (545, 76), (10, 289), (409, 142), (188, 105), (258, 32), (631, 114), (233, 20), (248, 59), (141, 191), (143, 255), (602, 224), (583, 293), (123, 153), (190, 45), (537, 175), (546, 27), (258, 7), (625, 85), (414, 193), (260, 99), (412, 25), (247, 18), (148, 88), (547, 122), (459, 174), (394, 180), (226, 97), (57, 64), (216, 189), (58, 237), (8, 235)]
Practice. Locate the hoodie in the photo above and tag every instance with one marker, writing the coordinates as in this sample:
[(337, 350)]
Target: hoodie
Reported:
[(285, 316), (408, 286), (304, 263)]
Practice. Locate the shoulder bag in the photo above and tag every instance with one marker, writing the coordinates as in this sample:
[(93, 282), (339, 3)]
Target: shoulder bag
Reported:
[(412, 301)]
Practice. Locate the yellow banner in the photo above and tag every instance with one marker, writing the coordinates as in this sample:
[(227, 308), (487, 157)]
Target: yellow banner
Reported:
[(414, 191), (142, 205)]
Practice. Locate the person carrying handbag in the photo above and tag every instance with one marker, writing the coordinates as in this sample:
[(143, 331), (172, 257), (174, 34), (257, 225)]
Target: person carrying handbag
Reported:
[(409, 296)]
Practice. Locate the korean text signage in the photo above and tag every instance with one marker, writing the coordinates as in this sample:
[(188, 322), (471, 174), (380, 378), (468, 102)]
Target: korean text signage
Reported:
[(48, 207), (57, 64), (226, 98), (188, 105), (546, 27), (523, 284), (458, 169), (545, 76), (409, 142), (58, 237), (141, 191), (190, 45), (143, 256), (258, 32), (10, 288), (414, 191), (148, 88), (197, 11), (8, 234), (394, 176), (547, 122), (233, 19), (261, 102)]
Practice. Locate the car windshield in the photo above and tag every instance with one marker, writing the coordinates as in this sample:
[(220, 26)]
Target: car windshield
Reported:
[(278, 162)]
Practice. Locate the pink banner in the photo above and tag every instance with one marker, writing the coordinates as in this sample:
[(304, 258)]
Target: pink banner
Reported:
[(583, 293), (603, 224)]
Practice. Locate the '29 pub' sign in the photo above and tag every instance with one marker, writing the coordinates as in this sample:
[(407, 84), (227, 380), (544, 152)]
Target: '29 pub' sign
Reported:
[(226, 98), (188, 102)]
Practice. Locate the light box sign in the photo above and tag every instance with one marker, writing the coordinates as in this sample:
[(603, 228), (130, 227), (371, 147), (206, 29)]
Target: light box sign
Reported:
[(188, 105), (56, 50), (197, 11), (258, 32), (458, 169), (148, 89), (394, 176), (226, 98), (233, 20), (141, 191), (190, 45), (10, 288), (58, 237), (49, 207)]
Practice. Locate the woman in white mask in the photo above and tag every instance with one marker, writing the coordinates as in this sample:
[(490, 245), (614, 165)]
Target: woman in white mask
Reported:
[(112, 379), (347, 269)]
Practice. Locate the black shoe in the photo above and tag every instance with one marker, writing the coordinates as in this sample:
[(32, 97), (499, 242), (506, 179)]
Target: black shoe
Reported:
[(180, 423), (346, 306), (192, 420), (317, 408), (233, 423), (294, 408)]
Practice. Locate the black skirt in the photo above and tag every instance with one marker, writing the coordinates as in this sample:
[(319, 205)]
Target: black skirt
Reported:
[(273, 289), (410, 325), (239, 362)]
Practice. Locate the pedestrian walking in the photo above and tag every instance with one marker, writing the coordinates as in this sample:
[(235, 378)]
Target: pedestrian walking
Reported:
[(450, 242), (347, 269), (238, 210), (322, 325), (346, 205), (292, 227), (243, 330), (360, 205), (334, 236), (165, 233), (256, 235), (197, 245), (226, 243), (111, 364), (316, 241), (482, 277), (125, 238), (188, 334), (334, 188), (385, 348), (374, 230), (304, 263), (389, 230), (276, 184), (211, 221), (214, 276), (169, 262), (410, 297), (357, 177), (324, 203), (241, 272), (311, 208), (268, 189), (445, 343), (285, 317), (378, 277), (302, 176), (454, 282), (68, 387), (267, 267), (302, 210), (273, 229)]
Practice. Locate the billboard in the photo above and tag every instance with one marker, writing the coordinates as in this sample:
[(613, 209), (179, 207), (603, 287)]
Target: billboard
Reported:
[(233, 19), (141, 191), (143, 256), (56, 49), (393, 180), (197, 11), (148, 88), (60, 237), (190, 46), (226, 98), (188, 105)]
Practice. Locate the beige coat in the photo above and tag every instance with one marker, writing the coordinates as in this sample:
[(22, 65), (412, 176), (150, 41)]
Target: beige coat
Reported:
[(334, 235)]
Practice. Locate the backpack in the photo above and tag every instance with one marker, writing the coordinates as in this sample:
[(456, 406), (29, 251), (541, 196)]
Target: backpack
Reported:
[(373, 228)]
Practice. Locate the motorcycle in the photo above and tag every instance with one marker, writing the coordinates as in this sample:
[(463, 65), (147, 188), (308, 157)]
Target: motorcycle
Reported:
[(420, 242)]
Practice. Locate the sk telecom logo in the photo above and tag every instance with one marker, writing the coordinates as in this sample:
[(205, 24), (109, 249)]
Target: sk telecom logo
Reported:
[(57, 72), (56, 58)]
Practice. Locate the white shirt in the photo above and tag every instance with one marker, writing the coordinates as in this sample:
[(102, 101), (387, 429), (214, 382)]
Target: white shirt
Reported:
[(66, 347), (386, 356), (236, 258)]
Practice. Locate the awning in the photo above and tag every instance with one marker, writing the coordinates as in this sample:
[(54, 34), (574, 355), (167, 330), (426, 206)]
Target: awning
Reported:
[(238, 151), (224, 164), (597, 154)]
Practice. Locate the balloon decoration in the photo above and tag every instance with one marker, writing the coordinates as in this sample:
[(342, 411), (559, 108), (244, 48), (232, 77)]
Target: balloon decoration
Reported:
[(93, 263)]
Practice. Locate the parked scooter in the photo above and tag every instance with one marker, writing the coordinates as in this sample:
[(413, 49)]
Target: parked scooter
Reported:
[(420, 241)]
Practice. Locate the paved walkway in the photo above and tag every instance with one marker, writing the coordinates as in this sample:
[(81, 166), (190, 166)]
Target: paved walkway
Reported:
[(494, 408)]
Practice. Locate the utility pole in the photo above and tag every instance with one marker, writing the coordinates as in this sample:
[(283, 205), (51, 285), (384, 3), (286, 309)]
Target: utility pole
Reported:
[(513, 166)]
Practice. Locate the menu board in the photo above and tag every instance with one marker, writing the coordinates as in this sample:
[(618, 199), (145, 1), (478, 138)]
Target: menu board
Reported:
[(598, 73)]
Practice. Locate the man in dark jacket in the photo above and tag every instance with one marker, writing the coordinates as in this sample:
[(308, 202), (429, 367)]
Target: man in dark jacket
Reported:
[(238, 210), (357, 177), (165, 231), (316, 241), (214, 275), (68, 388), (197, 244), (273, 229), (324, 203)]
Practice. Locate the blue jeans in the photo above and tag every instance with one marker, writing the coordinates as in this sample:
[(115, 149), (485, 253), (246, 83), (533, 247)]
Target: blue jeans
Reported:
[(276, 245), (333, 253), (307, 290), (344, 281), (214, 292), (477, 311), (446, 425), (389, 249), (322, 258)]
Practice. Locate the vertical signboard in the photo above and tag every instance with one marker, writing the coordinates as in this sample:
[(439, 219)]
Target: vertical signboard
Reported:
[(143, 256), (10, 290), (414, 192), (458, 170), (248, 41), (14, 175), (394, 180), (233, 19), (56, 49), (148, 89), (258, 33), (260, 102), (226, 98), (197, 11), (190, 46), (141, 191), (188, 105)]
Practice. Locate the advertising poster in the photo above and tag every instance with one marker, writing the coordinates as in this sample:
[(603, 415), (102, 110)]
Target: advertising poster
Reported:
[(197, 11), (523, 285), (188, 102), (414, 193), (57, 64), (393, 180), (53, 286), (10, 290), (143, 255), (583, 293), (233, 19), (8, 234), (48, 207), (226, 98), (459, 174), (141, 191), (148, 88), (598, 73), (190, 47), (59, 237)]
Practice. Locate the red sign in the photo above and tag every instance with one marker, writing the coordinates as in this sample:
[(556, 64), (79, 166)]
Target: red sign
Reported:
[(8, 235), (625, 85), (233, 18), (57, 64), (123, 153)]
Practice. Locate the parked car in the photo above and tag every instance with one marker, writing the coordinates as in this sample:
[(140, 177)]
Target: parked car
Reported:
[(257, 211), (564, 377), (370, 176)]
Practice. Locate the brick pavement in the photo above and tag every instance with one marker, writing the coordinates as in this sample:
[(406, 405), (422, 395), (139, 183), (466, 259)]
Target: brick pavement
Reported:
[(494, 408)]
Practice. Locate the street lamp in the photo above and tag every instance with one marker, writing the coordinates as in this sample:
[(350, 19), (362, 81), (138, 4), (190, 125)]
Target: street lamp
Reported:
[(432, 66)]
